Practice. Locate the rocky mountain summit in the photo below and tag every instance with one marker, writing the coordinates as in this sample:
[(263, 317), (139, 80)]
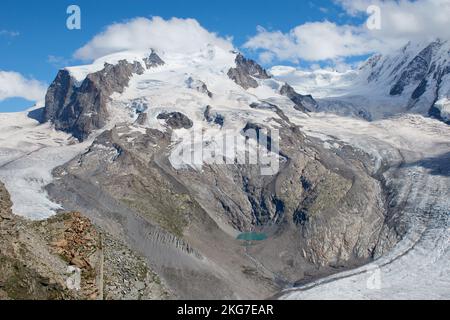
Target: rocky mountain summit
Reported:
[(81, 109), (246, 71)]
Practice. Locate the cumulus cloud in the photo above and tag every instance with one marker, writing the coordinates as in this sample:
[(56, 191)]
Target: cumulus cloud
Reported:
[(401, 21), (173, 35), (14, 85), (406, 20), (58, 61), (314, 41)]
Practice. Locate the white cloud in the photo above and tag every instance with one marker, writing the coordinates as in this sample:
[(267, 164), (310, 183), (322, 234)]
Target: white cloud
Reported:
[(173, 35), (406, 20), (9, 33), (14, 85), (315, 41), (58, 61), (401, 21)]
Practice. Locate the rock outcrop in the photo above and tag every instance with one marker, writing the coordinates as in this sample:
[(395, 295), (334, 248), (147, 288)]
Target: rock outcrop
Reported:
[(198, 85), (416, 71), (142, 119), (246, 72), (213, 117), (304, 103), (176, 120), (82, 109), (5, 203), (153, 61)]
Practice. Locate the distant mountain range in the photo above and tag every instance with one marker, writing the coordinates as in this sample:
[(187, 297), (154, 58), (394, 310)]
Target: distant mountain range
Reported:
[(414, 79)]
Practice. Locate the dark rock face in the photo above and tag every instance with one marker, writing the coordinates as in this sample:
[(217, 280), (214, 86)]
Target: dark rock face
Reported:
[(80, 110), (176, 120), (434, 111), (213, 117), (142, 119), (246, 71), (420, 90), (153, 61), (58, 94), (302, 103), (416, 70)]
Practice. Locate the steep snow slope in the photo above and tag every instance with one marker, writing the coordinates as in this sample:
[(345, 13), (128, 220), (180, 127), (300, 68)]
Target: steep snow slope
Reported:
[(169, 89), (416, 153)]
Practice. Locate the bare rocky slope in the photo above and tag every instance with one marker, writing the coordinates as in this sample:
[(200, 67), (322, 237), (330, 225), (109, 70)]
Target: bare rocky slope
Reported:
[(322, 212), (35, 258)]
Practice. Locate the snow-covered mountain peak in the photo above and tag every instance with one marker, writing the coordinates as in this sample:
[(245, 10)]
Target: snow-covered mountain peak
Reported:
[(137, 86), (412, 79), (209, 54)]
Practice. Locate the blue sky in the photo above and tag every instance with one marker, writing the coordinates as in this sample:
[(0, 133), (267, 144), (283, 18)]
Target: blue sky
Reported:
[(35, 42)]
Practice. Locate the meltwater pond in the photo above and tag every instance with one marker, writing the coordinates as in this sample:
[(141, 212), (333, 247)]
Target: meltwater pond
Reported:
[(252, 236)]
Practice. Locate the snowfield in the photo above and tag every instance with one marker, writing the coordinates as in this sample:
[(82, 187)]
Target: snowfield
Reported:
[(416, 151)]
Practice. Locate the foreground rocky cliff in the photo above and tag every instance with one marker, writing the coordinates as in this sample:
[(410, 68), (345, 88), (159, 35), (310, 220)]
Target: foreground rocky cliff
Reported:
[(39, 261)]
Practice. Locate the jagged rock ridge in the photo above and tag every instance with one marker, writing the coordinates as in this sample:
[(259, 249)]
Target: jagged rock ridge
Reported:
[(82, 109), (246, 71), (302, 103)]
